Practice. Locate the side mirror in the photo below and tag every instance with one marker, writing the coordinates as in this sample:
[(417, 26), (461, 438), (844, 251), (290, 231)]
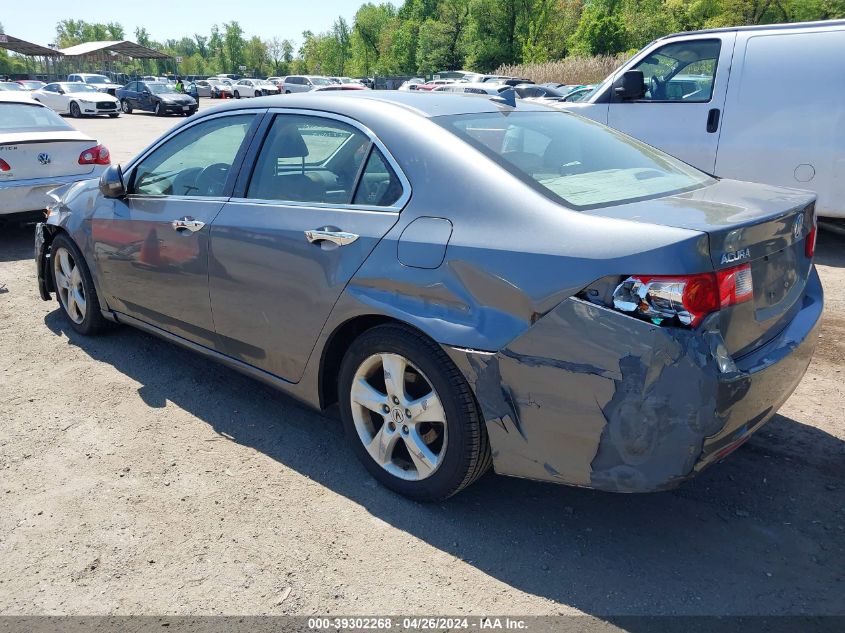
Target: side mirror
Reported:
[(630, 86), (61, 91), (111, 182)]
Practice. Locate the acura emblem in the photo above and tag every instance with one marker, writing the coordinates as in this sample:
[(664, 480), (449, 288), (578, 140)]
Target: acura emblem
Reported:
[(44, 158), (798, 227)]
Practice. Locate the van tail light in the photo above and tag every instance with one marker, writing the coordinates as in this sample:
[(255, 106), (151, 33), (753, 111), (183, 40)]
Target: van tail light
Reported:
[(98, 155), (686, 299), (810, 243), (4, 166)]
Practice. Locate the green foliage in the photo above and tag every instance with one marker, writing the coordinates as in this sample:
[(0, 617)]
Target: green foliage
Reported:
[(426, 36)]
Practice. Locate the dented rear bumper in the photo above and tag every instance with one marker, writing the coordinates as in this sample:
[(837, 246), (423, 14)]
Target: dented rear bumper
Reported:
[(592, 397)]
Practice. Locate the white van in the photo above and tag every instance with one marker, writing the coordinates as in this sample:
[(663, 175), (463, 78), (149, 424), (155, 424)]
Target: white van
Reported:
[(759, 103)]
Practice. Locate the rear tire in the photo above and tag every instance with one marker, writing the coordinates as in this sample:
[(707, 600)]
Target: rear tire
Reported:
[(75, 289), (75, 112), (159, 111), (449, 455), (125, 107)]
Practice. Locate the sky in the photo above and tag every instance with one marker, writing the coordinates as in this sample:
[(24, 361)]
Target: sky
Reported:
[(35, 21)]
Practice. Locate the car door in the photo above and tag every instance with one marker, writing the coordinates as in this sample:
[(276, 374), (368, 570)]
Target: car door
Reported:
[(321, 195), (49, 96), (686, 81), (152, 246), (144, 98)]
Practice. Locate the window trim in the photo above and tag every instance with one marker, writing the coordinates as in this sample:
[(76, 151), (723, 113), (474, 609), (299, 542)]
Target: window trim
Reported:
[(237, 163), (258, 142)]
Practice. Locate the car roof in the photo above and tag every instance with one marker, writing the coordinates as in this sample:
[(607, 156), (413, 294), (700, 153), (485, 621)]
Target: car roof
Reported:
[(348, 102)]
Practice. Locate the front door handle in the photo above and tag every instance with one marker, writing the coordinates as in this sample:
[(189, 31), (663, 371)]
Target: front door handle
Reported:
[(183, 225), (341, 238), (713, 120)]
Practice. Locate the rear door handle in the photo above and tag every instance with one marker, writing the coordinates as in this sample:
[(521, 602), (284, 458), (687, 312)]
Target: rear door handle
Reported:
[(713, 120), (183, 225), (341, 238)]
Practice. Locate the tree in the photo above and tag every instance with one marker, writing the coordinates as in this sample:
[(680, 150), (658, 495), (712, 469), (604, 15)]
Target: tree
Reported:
[(341, 34), (600, 31), (233, 45)]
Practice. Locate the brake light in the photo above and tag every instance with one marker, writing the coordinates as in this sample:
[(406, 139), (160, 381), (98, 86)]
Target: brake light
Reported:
[(687, 298), (810, 243), (4, 166), (98, 155)]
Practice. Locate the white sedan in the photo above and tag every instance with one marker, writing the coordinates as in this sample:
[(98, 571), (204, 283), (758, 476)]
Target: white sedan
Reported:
[(77, 99), (40, 151)]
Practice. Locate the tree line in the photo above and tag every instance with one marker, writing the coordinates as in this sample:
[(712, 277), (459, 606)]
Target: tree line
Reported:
[(420, 37)]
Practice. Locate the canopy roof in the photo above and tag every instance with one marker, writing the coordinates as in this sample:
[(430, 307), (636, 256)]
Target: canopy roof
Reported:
[(125, 47), (23, 47)]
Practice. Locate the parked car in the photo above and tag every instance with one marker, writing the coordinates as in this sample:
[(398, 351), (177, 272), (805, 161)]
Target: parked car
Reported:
[(583, 309), (431, 85), (100, 82), (157, 97), (479, 88), (213, 88), (411, 84), (38, 152), (579, 94), (304, 83), (352, 86), (30, 84), (279, 82), (254, 88), (12, 86), (703, 97), (541, 94), (77, 99)]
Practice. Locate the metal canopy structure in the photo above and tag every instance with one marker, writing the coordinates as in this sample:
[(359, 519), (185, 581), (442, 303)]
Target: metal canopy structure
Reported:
[(23, 47), (125, 47)]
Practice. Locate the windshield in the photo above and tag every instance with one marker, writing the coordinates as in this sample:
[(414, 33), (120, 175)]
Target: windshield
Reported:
[(158, 89), (574, 160), (75, 87), (20, 117), (10, 86), (320, 81), (97, 79)]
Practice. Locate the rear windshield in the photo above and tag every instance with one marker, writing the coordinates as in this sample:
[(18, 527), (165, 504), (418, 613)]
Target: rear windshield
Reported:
[(574, 160), (20, 117)]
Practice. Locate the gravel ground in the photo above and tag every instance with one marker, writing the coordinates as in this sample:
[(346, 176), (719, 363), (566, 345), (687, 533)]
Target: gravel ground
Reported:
[(138, 478)]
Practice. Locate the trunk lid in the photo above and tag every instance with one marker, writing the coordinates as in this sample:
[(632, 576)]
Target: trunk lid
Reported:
[(760, 225), (44, 154)]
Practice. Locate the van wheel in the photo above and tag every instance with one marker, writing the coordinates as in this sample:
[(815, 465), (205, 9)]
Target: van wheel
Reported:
[(410, 415)]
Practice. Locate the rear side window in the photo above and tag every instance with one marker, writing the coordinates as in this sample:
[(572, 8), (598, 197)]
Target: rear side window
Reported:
[(309, 159), (379, 186)]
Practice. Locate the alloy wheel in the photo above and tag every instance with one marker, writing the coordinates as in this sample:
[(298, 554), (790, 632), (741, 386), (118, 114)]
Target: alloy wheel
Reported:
[(69, 285), (398, 416)]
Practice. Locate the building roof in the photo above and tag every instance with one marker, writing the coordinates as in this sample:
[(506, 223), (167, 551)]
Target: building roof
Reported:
[(17, 45), (125, 47)]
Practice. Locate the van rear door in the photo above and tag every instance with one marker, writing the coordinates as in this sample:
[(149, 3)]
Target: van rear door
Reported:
[(686, 80)]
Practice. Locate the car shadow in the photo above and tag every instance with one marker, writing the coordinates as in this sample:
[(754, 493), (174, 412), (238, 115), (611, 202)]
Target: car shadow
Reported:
[(830, 249), (760, 533), (17, 241)]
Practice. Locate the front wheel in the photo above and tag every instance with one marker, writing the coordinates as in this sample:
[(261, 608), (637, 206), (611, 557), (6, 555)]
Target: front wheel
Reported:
[(75, 112), (75, 287), (410, 414)]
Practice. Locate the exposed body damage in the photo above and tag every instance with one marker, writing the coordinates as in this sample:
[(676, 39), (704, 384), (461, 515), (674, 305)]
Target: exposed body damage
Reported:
[(592, 397)]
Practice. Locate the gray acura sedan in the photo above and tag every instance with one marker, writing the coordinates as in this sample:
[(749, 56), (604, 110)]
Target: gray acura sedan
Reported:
[(472, 282)]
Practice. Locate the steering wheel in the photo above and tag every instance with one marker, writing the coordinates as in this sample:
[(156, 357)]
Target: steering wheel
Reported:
[(212, 179), (657, 88)]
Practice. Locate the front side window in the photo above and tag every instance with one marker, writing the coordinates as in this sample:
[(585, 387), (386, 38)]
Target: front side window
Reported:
[(682, 71), (309, 159), (195, 162), (573, 160)]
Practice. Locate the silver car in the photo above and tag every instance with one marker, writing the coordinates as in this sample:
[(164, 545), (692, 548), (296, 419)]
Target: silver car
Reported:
[(473, 282)]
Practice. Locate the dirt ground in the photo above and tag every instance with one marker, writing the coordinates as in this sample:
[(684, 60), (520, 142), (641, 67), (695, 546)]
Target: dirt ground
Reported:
[(139, 478)]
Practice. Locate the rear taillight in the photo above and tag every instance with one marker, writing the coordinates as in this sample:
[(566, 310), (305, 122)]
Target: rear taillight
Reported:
[(98, 155), (684, 298), (4, 166), (810, 243)]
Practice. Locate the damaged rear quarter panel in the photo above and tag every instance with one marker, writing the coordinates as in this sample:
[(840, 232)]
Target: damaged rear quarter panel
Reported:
[(627, 411)]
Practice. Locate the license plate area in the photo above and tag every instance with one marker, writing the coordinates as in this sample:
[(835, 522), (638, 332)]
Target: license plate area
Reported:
[(776, 277)]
